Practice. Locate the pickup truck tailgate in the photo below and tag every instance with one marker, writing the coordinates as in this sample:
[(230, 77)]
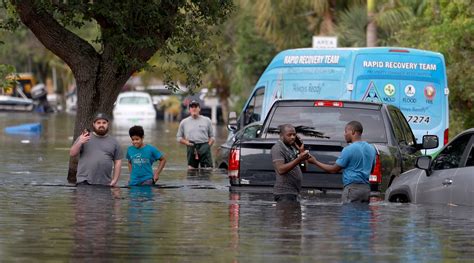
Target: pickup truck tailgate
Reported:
[(257, 166)]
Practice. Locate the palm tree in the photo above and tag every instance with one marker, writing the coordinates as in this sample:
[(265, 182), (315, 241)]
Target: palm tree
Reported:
[(387, 15)]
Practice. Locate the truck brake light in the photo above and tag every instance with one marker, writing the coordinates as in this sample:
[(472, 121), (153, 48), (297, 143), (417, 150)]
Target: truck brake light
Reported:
[(234, 163), (328, 103), (446, 136), (376, 175)]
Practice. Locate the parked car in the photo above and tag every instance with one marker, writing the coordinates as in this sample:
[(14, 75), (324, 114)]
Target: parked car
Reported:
[(134, 105), (446, 179), (320, 124), (248, 132)]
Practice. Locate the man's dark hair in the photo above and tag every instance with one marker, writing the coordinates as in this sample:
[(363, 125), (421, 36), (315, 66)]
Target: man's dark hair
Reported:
[(283, 127), (356, 126), (136, 131)]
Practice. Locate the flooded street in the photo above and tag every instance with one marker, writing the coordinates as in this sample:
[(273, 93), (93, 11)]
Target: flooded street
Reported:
[(193, 217)]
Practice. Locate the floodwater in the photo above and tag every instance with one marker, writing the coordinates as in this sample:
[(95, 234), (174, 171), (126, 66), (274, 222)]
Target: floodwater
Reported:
[(193, 217)]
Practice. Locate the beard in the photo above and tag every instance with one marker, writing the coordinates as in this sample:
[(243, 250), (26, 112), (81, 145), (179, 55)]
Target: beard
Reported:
[(101, 132)]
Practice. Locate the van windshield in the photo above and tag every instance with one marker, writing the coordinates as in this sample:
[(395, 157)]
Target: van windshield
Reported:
[(328, 123)]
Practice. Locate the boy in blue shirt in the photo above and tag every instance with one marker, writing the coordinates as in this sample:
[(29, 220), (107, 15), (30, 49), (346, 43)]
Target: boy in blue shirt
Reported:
[(141, 157)]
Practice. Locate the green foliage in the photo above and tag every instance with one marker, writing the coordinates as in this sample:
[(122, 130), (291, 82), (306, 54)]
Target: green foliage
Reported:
[(130, 30), (448, 27), (283, 23), (252, 54), (6, 71), (352, 26)]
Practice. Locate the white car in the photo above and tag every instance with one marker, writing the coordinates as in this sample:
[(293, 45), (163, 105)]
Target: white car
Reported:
[(134, 105)]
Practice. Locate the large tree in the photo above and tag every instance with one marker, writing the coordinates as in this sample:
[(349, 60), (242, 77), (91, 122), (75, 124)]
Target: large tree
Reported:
[(131, 32)]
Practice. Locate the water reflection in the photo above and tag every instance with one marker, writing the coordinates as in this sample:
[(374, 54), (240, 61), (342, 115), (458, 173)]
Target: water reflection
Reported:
[(95, 212), (357, 227), (141, 216), (192, 216)]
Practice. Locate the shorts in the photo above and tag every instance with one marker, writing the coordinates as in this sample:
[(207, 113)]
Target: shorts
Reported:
[(146, 182), (199, 155), (356, 193)]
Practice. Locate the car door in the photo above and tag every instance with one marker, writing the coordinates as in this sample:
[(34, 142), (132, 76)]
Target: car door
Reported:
[(437, 188), (463, 181)]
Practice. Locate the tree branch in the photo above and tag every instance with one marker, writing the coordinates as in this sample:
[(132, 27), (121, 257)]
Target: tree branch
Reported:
[(62, 42)]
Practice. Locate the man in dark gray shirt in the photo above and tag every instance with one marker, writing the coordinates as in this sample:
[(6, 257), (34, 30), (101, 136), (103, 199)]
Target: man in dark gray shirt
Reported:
[(98, 154), (286, 157)]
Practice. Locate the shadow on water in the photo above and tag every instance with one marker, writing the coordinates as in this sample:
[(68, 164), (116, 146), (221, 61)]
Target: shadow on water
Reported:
[(192, 216)]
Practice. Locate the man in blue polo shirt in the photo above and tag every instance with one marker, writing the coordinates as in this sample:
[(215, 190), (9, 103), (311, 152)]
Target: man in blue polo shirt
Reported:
[(357, 160)]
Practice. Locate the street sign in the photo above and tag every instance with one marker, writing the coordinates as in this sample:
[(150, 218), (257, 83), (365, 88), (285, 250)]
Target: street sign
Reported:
[(324, 42)]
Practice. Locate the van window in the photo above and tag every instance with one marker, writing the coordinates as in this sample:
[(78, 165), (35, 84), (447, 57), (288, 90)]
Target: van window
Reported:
[(253, 112)]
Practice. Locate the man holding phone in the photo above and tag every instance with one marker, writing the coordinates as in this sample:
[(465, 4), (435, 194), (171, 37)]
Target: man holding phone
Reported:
[(98, 154), (286, 157)]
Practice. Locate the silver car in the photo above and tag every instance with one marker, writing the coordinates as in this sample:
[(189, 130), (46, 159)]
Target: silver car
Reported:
[(446, 179)]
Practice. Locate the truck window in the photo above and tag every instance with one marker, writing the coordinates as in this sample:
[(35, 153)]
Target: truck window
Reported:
[(327, 123), (397, 128), (254, 109), (410, 140)]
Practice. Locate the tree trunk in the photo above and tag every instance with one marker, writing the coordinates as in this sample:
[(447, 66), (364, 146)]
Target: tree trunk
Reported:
[(223, 92), (225, 109), (99, 77), (372, 25), (95, 93)]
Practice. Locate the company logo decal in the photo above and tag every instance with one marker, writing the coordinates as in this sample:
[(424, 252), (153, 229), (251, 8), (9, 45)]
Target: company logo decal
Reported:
[(410, 90), (371, 93), (430, 92), (389, 90)]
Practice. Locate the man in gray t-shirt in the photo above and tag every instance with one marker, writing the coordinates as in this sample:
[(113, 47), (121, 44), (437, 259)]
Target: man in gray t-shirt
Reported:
[(286, 157), (98, 154), (197, 134)]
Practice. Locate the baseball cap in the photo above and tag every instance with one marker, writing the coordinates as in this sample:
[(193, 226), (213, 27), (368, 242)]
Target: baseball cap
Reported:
[(100, 116), (194, 103)]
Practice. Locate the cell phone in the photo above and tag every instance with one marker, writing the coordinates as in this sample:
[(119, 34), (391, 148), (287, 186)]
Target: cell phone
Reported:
[(298, 141), (86, 131)]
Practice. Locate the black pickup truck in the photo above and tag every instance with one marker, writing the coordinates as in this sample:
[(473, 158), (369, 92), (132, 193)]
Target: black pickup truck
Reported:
[(320, 124)]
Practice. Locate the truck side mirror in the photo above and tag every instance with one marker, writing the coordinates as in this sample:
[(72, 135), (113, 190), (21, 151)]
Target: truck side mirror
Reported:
[(430, 141), (232, 126), (424, 162)]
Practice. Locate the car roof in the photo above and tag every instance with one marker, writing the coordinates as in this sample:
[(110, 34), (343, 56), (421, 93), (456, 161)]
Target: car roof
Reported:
[(470, 130), (134, 94)]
